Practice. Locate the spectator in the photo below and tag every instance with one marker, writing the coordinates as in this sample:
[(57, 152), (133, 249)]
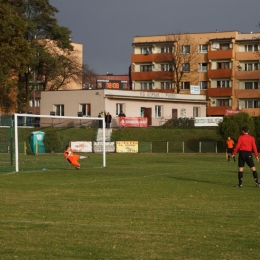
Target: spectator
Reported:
[(108, 119), (122, 114)]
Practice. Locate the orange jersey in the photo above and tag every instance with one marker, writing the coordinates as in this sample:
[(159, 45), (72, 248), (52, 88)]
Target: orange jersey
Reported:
[(71, 157), (230, 143)]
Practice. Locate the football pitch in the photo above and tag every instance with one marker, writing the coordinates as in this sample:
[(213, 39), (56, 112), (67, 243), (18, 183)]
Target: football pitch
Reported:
[(140, 206)]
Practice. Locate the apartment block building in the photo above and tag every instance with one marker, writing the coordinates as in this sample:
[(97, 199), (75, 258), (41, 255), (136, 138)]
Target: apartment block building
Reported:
[(225, 66)]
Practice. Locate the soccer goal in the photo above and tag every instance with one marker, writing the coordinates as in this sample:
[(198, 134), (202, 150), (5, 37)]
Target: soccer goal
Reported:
[(61, 123)]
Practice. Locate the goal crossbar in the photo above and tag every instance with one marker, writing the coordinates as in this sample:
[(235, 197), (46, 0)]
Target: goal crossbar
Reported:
[(54, 117)]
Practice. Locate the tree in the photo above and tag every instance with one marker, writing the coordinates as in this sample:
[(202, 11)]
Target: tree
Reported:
[(41, 25), (89, 77), (57, 68), (14, 53), (232, 125), (182, 59)]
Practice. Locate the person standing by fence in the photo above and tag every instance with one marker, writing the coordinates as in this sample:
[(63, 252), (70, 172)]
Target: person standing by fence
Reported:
[(245, 145), (230, 148)]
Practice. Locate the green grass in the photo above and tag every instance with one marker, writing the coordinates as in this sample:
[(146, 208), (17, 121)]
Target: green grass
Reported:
[(141, 206)]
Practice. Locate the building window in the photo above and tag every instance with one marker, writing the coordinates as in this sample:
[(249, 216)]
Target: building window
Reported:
[(223, 83), (85, 109), (183, 112), (146, 68), (203, 67), (165, 67), (185, 49), (251, 66), (224, 46), (146, 85), (166, 49), (222, 102), (166, 85), (158, 111), (59, 110), (203, 85), (119, 108), (146, 50), (251, 47), (196, 111), (252, 103), (223, 65), (251, 85), (203, 48), (185, 85), (186, 67)]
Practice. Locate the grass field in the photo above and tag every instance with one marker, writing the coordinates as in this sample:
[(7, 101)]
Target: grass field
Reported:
[(141, 206)]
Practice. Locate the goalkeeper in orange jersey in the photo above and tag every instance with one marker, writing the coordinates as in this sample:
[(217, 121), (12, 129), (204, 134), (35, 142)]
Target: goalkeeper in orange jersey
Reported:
[(72, 158), (230, 147)]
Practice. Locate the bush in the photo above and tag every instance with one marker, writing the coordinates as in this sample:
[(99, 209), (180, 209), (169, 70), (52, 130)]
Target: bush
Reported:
[(182, 122), (52, 141)]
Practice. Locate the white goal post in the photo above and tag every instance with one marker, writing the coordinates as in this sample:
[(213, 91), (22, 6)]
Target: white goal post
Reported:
[(54, 117)]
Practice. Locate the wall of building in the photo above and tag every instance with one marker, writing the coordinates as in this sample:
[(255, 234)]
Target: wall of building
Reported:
[(131, 101)]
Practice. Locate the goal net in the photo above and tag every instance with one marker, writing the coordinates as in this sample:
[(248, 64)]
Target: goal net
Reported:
[(48, 135)]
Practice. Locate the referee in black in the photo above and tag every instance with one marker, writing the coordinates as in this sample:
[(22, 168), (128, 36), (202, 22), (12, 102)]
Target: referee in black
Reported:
[(245, 145)]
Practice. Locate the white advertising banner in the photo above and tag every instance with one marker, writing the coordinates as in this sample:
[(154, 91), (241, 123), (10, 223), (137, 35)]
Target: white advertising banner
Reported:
[(81, 146), (195, 90), (207, 121), (110, 147)]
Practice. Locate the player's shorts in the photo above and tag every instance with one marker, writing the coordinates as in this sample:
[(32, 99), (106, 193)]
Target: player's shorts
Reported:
[(230, 150), (245, 157)]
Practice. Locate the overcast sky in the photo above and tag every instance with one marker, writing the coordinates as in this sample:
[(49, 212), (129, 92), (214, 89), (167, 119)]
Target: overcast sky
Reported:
[(106, 27)]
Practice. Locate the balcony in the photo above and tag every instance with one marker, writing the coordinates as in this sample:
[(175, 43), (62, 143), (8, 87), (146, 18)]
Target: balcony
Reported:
[(151, 75), (151, 57), (217, 111), (219, 92), (250, 74), (252, 111), (247, 93), (220, 73), (246, 56), (220, 54)]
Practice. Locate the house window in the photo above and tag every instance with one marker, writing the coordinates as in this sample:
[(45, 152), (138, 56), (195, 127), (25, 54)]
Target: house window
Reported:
[(166, 85), (222, 102), (203, 67), (223, 83), (186, 67), (203, 85), (185, 85), (223, 65), (251, 66), (224, 46), (146, 50), (166, 49), (196, 111), (251, 85), (59, 110), (251, 47), (252, 103), (85, 109), (146, 85), (158, 111), (165, 67), (185, 49), (146, 68), (203, 48), (119, 108)]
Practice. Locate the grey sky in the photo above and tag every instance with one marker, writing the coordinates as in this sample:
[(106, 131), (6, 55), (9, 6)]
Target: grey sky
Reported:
[(106, 27)]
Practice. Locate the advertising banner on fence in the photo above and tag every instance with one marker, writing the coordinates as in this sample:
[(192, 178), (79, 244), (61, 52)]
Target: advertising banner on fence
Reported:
[(110, 147), (127, 147), (207, 121), (133, 122), (231, 112), (81, 146)]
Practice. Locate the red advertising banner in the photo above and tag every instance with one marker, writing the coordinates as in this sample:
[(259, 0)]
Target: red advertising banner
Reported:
[(133, 122), (231, 112)]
